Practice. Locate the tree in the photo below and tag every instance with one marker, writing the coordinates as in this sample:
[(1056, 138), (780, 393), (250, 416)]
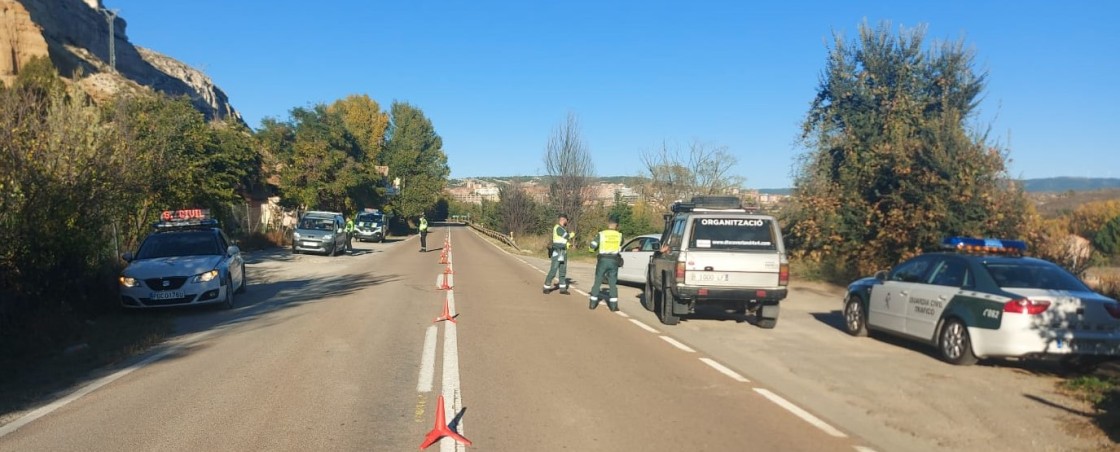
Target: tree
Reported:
[(414, 154), (1108, 238), (677, 175), (519, 213), (568, 163), (892, 166)]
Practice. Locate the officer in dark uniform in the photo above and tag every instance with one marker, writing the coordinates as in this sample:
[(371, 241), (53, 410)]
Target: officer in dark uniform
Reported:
[(608, 243)]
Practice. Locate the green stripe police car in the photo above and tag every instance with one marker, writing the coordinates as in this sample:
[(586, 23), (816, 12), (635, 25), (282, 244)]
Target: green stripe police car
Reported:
[(985, 299)]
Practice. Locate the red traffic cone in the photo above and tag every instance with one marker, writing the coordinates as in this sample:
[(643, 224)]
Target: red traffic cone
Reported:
[(445, 285), (446, 314), (443, 258), (448, 270), (441, 429)]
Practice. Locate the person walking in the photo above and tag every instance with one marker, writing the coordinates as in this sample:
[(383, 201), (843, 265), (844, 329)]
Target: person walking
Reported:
[(608, 243), (423, 234), (558, 253)]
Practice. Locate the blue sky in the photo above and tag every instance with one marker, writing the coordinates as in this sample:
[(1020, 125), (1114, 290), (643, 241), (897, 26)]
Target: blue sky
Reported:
[(496, 77)]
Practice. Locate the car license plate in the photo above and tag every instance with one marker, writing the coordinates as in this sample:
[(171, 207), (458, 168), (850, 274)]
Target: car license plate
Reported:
[(311, 244), (710, 277), (167, 295)]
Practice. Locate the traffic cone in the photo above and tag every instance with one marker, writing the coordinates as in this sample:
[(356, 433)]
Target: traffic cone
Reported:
[(446, 285), (441, 429), (443, 257), (448, 270), (446, 314)]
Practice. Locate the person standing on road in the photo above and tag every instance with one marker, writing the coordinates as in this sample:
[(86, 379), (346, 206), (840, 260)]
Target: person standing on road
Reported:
[(423, 234), (350, 235), (558, 253), (609, 244)]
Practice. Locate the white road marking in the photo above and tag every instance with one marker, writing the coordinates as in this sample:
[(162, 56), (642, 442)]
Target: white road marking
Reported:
[(677, 344), (451, 394), (644, 326), (724, 370), (804, 415), (864, 449), (48, 409), (427, 361), (622, 314)]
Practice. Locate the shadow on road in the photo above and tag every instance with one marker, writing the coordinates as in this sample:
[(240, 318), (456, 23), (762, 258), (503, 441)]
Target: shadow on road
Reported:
[(834, 318)]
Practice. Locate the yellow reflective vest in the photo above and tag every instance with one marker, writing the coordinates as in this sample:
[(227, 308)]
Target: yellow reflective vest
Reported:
[(608, 242), (559, 237)]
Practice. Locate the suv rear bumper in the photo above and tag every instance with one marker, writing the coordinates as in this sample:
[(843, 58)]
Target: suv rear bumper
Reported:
[(702, 294)]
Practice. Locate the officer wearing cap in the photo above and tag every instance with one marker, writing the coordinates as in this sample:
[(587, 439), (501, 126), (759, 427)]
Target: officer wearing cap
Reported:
[(558, 253), (608, 243)]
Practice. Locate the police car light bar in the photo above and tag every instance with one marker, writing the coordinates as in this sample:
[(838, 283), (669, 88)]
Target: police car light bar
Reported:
[(184, 218), (987, 245)]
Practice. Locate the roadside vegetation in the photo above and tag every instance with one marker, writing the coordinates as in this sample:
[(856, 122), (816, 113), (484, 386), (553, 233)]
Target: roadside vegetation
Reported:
[(82, 181)]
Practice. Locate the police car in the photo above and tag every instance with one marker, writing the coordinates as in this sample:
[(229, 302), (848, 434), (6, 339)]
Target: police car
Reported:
[(188, 260), (986, 300)]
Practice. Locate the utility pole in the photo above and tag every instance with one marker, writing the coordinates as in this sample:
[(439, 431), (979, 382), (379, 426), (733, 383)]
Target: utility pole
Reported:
[(111, 17)]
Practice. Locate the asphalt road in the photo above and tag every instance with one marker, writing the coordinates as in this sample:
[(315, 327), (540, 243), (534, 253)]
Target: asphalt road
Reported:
[(341, 353)]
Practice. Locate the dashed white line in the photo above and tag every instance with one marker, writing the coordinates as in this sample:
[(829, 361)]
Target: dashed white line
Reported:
[(864, 449), (644, 326), (804, 415), (677, 344), (622, 314), (724, 370), (427, 361)]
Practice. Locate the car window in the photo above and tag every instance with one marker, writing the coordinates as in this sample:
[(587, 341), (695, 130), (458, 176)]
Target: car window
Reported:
[(650, 244), (675, 234), (633, 245), (913, 270), (1034, 275), (171, 244), (733, 234), (321, 224), (951, 272)]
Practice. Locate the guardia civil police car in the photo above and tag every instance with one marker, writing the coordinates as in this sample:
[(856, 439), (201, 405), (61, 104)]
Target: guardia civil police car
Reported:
[(188, 260), (986, 300)]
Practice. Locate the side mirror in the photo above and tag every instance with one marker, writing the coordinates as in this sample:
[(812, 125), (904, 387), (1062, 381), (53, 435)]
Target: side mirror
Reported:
[(127, 256), (881, 275), (232, 250)]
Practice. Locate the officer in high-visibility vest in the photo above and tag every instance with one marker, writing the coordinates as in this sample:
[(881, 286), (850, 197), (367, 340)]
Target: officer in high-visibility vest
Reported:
[(350, 234), (558, 253), (423, 234), (609, 244)]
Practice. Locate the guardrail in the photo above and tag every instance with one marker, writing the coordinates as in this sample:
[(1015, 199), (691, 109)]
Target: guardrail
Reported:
[(504, 238)]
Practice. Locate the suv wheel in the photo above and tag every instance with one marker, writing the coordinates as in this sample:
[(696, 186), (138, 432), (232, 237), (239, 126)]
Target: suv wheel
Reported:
[(667, 299), (766, 324), (648, 297)]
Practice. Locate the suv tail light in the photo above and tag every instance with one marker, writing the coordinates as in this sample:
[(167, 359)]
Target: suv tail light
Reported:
[(783, 275), (1026, 306), (680, 272), (1113, 309)]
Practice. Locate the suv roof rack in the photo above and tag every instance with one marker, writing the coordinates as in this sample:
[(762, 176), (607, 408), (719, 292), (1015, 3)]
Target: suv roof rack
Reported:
[(709, 203)]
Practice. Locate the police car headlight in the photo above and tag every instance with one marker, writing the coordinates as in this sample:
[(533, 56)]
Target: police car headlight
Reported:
[(129, 282), (206, 277)]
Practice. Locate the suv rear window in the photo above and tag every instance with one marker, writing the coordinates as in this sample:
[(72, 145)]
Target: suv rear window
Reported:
[(756, 234)]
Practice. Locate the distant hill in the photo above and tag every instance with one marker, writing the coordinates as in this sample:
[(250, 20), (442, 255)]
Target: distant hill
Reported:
[(1061, 184)]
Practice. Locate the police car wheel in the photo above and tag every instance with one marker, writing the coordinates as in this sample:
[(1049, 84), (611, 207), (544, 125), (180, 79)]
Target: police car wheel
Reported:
[(244, 281), (954, 344), (855, 322), (228, 303)]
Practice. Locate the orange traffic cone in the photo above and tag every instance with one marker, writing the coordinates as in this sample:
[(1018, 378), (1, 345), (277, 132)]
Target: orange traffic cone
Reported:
[(445, 285), (448, 270), (446, 314), (441, 429), (443, 258)]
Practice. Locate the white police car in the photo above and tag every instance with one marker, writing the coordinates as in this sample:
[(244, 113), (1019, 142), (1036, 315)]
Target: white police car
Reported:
[(188, 260), (986, 300)]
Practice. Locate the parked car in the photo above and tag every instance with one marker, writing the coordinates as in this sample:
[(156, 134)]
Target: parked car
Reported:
[(984, 299), (635, 257), (188, 260), (370, 225), (320, 232)]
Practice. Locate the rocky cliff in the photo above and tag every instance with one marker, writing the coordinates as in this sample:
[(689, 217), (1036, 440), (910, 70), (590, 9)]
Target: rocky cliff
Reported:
[(75, 35)]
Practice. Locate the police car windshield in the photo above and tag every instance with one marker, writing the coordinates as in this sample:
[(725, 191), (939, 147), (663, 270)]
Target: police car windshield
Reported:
[(1026, 275), (321, 224), (369, 218), (733, 234), (186, 243)]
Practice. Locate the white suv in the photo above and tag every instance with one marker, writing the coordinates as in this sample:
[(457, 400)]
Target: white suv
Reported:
[(716, 252)]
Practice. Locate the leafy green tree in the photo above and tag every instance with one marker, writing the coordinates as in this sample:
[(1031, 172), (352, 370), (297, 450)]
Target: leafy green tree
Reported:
[(892, 166), (1108, 238), (414, 155), (320, 163)]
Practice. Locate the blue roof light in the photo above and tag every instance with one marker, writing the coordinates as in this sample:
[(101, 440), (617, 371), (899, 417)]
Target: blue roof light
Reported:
[(984, 245)]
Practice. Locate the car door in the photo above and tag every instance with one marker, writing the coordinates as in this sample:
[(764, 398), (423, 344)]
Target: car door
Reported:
[(635, 255), (666, 262), (887, 306), (927, 301)]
